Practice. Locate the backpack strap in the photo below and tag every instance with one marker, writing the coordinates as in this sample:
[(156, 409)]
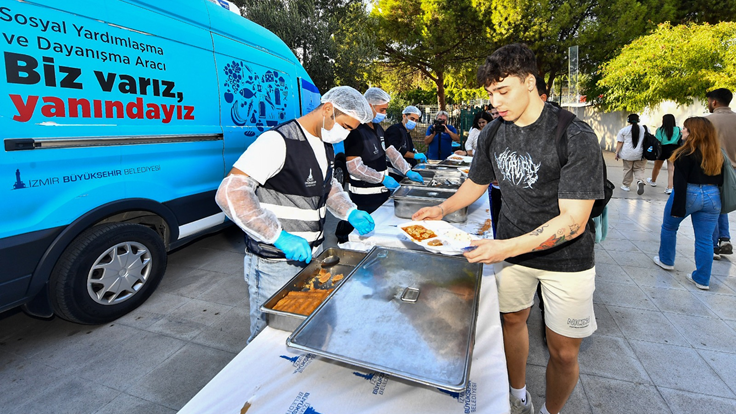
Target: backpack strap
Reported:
[(564, 119)]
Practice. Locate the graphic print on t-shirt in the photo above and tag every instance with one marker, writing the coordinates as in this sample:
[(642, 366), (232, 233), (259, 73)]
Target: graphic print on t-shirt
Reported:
[(518, 169)]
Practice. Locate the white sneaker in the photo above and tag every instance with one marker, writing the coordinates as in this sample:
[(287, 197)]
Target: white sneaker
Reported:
[(652, 183), (662, 265), (640, 189), (697, 285), (517, 407), (625, 188), (668, 191)]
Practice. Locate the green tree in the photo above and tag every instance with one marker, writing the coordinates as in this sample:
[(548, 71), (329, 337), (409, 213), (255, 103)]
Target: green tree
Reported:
[(550, 27), (331, 38), (674, 63), (430, 36)]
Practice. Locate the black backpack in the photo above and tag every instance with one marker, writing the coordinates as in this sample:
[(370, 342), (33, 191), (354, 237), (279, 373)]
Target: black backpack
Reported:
[(652, 146), (564, 119)]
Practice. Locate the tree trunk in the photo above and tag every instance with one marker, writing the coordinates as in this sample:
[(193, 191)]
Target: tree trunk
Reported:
[(440, 82)]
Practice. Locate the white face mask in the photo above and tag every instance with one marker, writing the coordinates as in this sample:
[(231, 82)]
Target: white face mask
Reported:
[(334, 135)]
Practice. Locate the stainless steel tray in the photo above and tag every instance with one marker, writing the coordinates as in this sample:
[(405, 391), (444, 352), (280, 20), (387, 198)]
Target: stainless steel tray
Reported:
[(428, 175), (453, 163), (287, 321), (408, 200), (406, 313), (435, 167), (451, 178)]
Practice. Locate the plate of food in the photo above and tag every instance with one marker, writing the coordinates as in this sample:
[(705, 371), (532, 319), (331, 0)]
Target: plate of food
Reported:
[(438, 236), (455, 157), (464, 171)]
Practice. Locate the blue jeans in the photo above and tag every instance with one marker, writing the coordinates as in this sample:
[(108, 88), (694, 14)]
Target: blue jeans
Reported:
[(703, 205), (722, 231), (265, 277)]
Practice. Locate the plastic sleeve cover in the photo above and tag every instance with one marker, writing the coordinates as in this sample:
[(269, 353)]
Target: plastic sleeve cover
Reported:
[(357, 169), (397, 160), (237, 198), (338, 201)]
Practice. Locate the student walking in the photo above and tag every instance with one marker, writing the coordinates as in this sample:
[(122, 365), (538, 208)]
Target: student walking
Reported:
[(630, 148), (698, 174), (669, 136)]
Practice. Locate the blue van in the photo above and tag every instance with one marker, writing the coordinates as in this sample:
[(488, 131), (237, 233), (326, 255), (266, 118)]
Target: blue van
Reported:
[(119, 119)]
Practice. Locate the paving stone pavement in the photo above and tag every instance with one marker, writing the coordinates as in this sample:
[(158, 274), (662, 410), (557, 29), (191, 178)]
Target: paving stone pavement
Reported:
[(662, 346)]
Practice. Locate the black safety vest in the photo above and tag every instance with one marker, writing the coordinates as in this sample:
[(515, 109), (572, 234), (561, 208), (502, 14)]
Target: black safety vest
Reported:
[(297, 195), (373, 157)]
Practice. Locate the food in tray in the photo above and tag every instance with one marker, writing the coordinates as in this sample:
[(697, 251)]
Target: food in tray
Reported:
[(323, 276), (464, 170), (435, 242), (445, 182), (302, 303), (455, 157), (419, 233)]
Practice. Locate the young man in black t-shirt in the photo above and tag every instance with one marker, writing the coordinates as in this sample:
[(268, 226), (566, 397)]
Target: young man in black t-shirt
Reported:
[(542, 231)]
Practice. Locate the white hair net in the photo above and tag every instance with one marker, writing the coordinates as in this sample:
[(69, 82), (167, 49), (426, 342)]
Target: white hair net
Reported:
[(350, 102), (376, 96), (411, 110), (440, 113)]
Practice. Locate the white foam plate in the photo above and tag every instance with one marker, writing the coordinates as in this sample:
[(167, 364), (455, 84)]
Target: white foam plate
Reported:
[(453, 239)]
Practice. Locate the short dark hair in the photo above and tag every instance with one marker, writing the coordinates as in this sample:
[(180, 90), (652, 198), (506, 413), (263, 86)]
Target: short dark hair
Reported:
[(511, 60), (722, 95)]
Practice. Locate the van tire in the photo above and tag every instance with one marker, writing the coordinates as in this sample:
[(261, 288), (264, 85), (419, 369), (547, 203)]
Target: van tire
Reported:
[(73, 287)]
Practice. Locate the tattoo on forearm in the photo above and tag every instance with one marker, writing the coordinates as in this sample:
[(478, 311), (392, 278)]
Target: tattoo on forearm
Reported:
[(538, 231), (574, 229), (553, 241)]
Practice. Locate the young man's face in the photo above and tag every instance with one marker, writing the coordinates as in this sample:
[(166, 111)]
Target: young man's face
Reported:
[(379, 109), (411, 117), (711, 106), (510, 96)]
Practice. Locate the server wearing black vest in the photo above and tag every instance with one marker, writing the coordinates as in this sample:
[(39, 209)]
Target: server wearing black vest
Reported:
[(397, 136), (279, 190), (366, 162)]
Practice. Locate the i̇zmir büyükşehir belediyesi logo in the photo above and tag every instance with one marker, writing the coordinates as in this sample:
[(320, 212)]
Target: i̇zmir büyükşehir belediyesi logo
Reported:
[(258, 99)]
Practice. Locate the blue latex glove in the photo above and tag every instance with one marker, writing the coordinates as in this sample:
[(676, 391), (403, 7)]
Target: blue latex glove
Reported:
[(420, 157), (390, 183), (415, 176), (362, 221), (294, 247)]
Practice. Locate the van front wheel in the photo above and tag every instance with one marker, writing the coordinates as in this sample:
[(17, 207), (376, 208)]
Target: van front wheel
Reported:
[(106, 272)]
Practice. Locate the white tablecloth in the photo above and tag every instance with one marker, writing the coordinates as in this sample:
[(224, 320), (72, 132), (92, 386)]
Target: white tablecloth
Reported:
[(274, 379)]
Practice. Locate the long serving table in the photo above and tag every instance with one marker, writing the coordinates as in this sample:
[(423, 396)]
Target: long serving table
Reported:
[(267, 377)]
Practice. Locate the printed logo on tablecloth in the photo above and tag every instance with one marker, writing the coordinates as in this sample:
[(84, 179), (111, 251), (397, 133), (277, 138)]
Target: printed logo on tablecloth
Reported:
[(299, 362), (301, 406), (377, 379), (467, 397)]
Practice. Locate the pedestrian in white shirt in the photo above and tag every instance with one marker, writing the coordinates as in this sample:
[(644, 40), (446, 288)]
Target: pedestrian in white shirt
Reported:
[(629, 148)]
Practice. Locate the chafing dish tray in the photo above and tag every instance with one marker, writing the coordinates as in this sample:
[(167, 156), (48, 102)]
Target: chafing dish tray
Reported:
[(435, 167), (408, 200), (453, 163), (288, 321), (437, 179), (414, 322), (428, 175)]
